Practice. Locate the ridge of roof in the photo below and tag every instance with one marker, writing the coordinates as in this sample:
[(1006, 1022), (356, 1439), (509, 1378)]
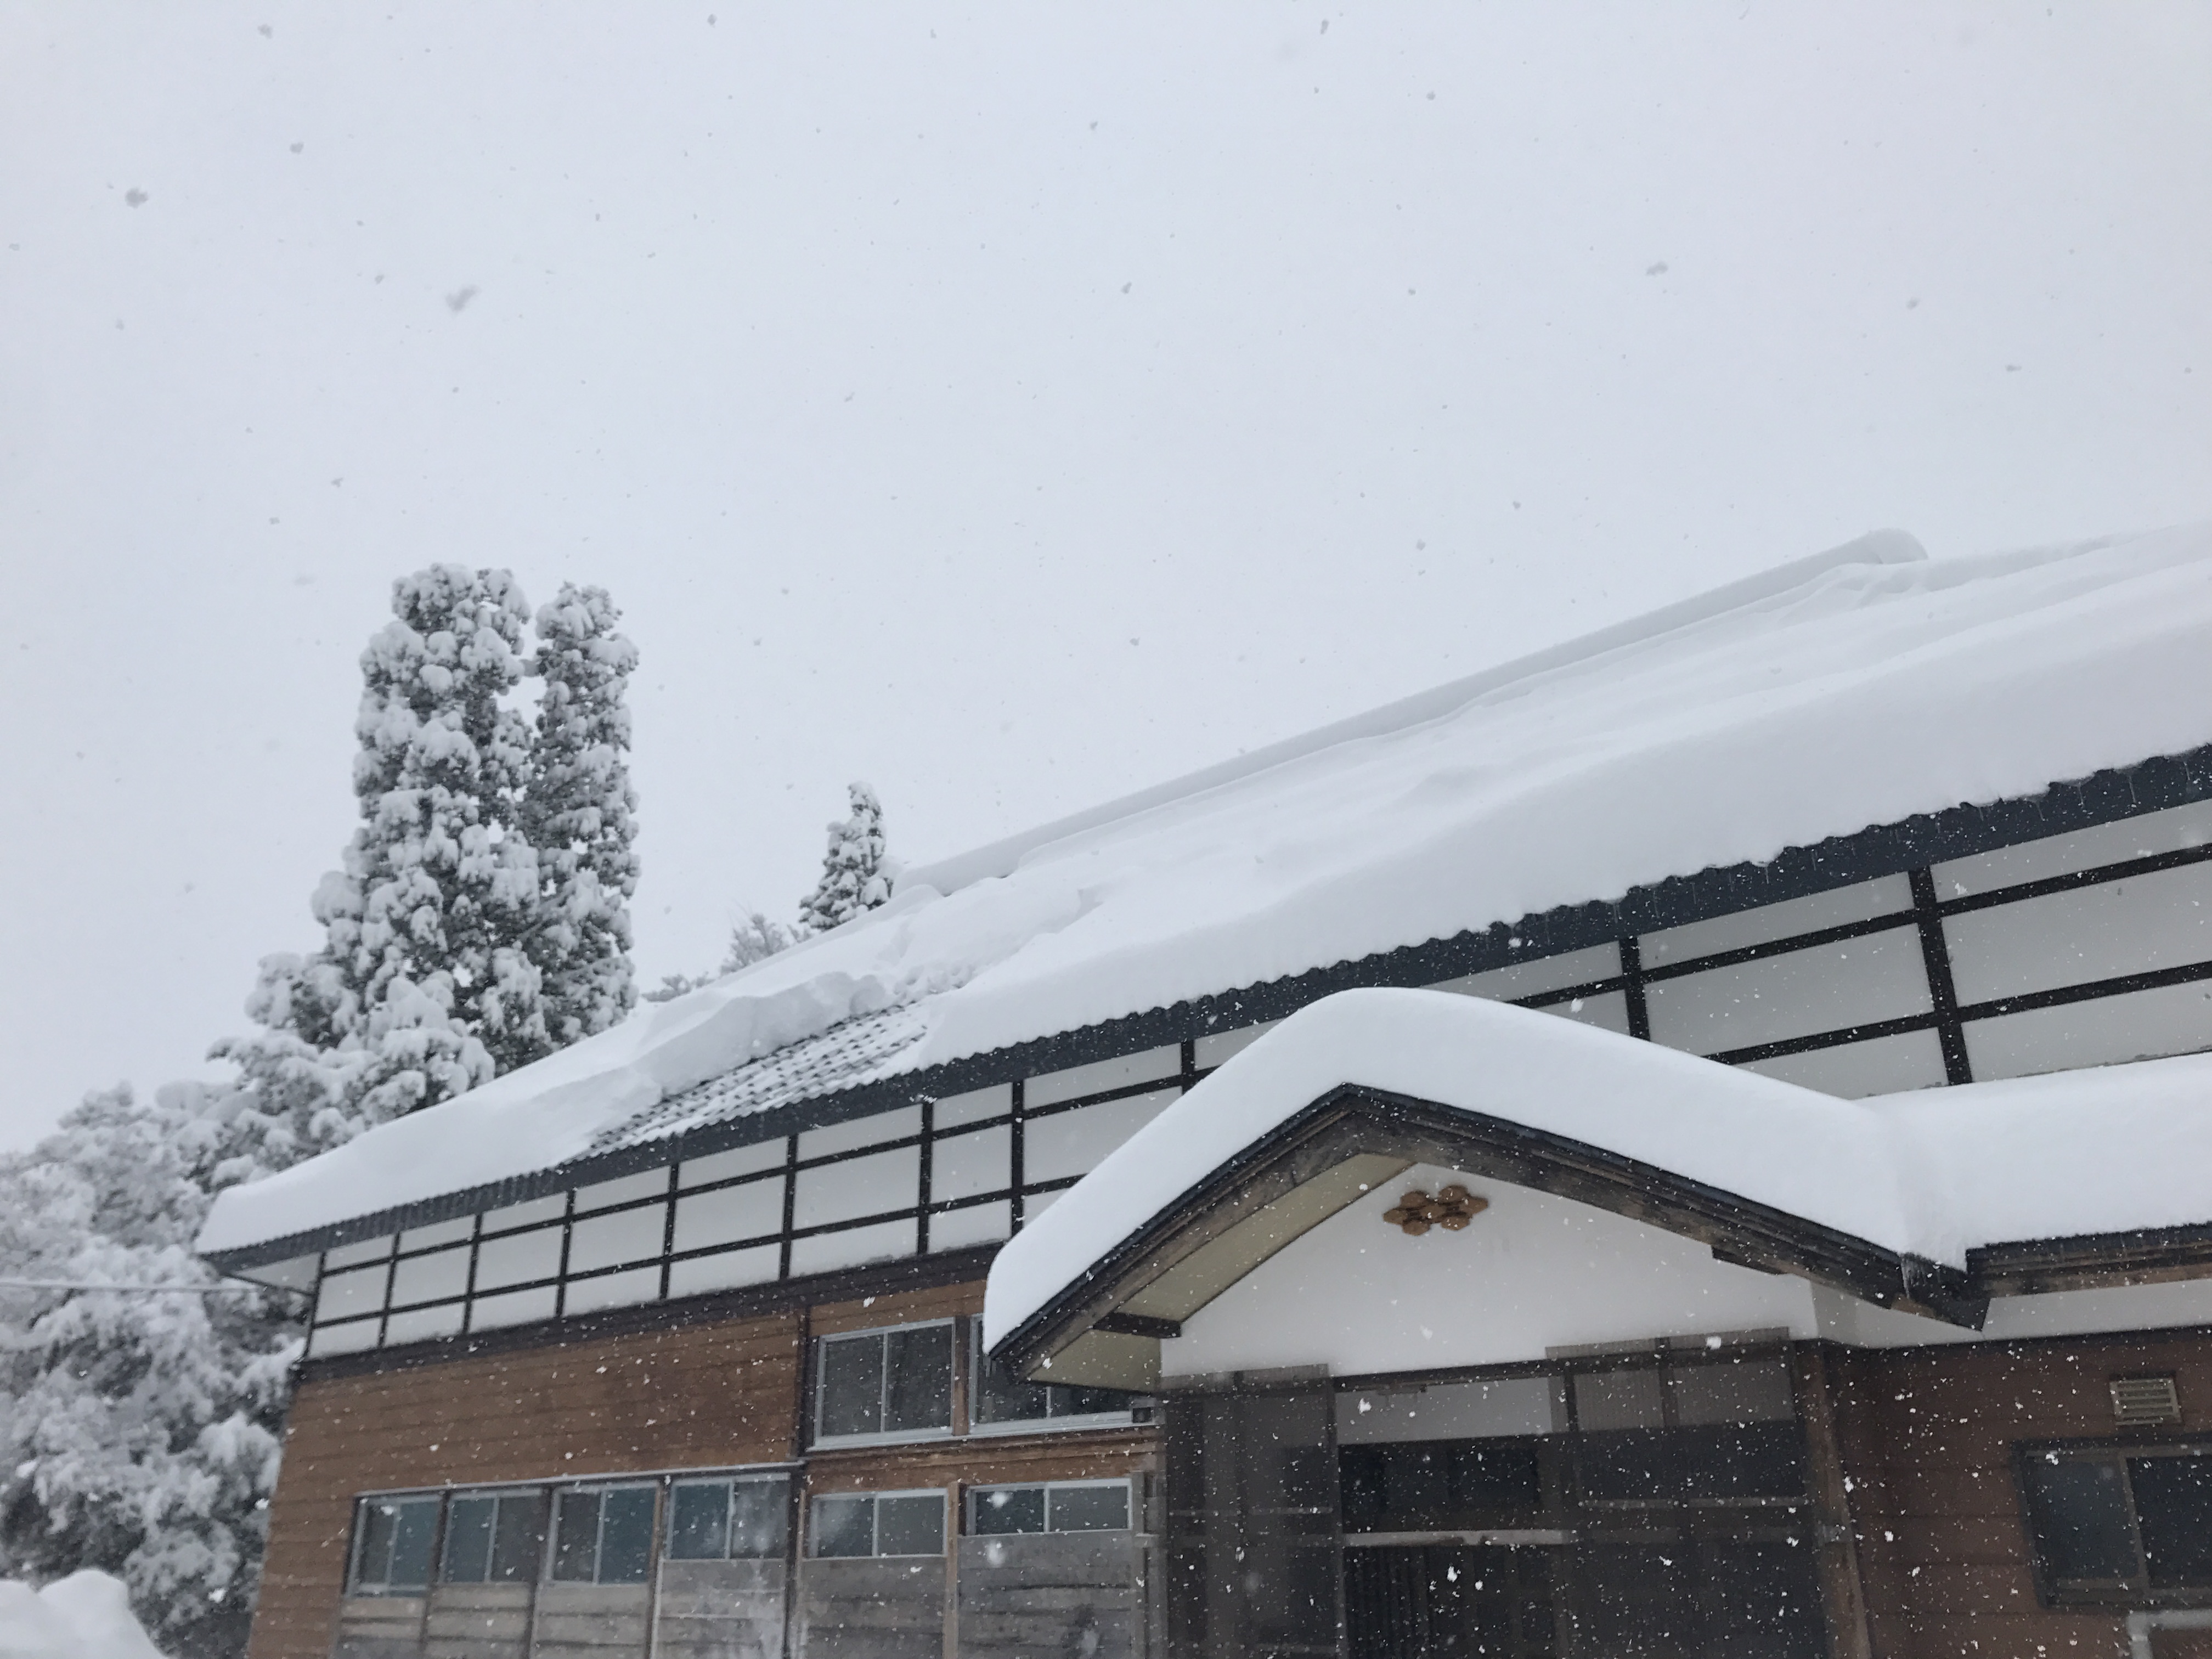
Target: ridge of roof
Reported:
[(1001, 857)]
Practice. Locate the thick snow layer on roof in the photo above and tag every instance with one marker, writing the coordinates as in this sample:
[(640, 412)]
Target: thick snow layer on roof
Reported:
[(1858, 688), (1931, 1173)]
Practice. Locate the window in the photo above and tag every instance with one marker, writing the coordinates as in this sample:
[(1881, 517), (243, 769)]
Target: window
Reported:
[(392, 1539), (1059, 1506), (1000, 1401), (740, 1518), (493, 1538), (884, 1385), (860, 1523), (605, 1536), (2129, 1525)]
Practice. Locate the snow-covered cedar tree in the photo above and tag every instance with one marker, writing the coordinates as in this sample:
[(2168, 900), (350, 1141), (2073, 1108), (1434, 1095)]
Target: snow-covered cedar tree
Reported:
[(425, 981), (855, 874), (753, 938), (139, 1434), (756, 938), (580, 813)]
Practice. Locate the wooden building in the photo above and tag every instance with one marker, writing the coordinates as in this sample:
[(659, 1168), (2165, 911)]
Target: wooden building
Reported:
[(1698, 1143)]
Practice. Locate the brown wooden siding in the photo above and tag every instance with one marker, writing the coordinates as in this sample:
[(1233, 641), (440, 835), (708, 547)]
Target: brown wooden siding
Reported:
[(1927, 1437), (700, 1395)]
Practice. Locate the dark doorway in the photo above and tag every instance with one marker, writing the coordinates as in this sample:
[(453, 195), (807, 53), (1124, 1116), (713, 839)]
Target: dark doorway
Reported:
[(1252, 1529), (1449, 1602)]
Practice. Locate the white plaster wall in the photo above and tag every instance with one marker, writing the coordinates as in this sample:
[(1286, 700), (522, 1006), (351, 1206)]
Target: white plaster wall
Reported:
[(1533, 1272), (2061, 1313)]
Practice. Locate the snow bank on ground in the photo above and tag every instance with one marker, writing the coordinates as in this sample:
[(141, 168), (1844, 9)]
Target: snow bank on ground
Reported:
[(1932, 1174), (86, 1615), (1861, 690)]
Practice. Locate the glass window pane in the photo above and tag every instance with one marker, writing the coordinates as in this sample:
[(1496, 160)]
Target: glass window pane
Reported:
[(760, 1518), (2174, 1019), (433, 1278), (851, 1247), (1768, 922), (967, 1166), (1826, 987), (576, 1544), (918, 1386), (518, 1258), (1086, 1402), (1539, 975), (1879, 1066), (518, 1541), (411, 1541), (2132, 927), (1098, 1076), (699, 1521), (845, 1525), (1000, 1509), (910, 1525), (379, 1519), (608, 1240), (1091, 1509), (852, 1387), (468, 1540), (1072, 1143), (625, 1534), (875, 1184), (2173, 1508), (1002, 1397), (729, 1213), (2081, 1513), (855, 1133)]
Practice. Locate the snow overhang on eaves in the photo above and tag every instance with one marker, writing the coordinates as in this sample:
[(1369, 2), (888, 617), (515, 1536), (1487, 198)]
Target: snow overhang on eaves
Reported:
[(1344, 1096)]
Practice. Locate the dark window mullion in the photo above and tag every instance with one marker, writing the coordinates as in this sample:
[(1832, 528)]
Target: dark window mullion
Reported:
[(1016, 1115), (561, 1276), (790, 1203), (922, 1174), (1935, 954), (1631, 968), (668, 1230)]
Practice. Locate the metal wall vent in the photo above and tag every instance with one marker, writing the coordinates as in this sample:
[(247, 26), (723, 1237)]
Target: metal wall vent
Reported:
[(2145, 1400)]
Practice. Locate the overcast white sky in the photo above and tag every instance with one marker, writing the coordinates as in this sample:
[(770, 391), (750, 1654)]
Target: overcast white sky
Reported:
[(1009, 406)]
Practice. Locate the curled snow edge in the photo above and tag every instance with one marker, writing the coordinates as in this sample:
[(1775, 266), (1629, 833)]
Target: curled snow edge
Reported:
[(1933, 1173)]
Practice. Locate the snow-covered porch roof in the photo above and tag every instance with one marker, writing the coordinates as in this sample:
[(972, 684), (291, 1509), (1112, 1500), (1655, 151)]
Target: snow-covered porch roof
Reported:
[(1927, 1202)]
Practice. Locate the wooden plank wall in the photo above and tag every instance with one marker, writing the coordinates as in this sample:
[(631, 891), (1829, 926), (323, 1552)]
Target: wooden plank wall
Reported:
[(1926, 1437), (479, 1621), (719, 1610), (1070, 1593), (892, 1609), (695, 1395)]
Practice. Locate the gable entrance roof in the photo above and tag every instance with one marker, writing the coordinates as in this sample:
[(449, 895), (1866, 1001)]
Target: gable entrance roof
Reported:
[(1898, 1201)]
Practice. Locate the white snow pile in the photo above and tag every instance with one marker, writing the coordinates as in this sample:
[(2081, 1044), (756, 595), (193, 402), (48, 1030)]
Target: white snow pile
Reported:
[(1932, 1173), (86, 1615), (1859, 687)]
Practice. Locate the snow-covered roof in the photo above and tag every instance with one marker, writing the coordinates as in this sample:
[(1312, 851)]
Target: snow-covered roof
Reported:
[(1859, 688), (1932, 1175)]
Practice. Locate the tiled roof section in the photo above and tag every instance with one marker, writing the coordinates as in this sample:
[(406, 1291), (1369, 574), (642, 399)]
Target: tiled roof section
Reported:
[(848, 1055)]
